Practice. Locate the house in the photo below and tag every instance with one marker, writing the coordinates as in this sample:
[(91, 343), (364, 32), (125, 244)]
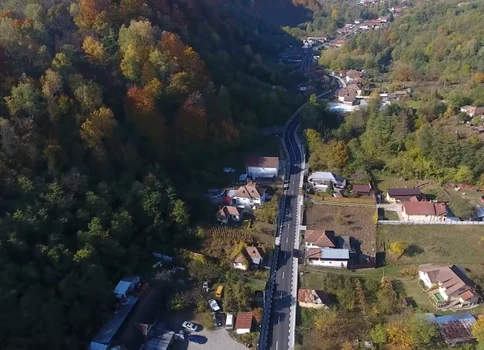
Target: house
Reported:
[(250, 195), (449, 287), (354, 76), (240, 262), (456, 329), (125, 286), (228, 214), (265, 167), (426, 211), (347, 96), (357, 88), (362, 190), (395, 195), (315, 299), (400, 94), (319, 239), (328, 257), (472, 111), (321, 179), (339, 42), (255, 255), (243, 323)]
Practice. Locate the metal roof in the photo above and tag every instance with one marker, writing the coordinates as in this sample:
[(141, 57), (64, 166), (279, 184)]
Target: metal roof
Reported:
[(158, 338), (106, 334), (328, 253)]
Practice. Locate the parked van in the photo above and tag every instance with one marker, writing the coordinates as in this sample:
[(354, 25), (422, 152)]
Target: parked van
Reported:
[(220, 292), (229, 321)]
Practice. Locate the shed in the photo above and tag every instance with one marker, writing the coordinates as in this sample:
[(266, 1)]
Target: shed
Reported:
[(126, 285), (243, 322)]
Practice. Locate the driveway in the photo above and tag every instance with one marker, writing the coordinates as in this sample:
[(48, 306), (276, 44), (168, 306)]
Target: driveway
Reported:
[(218, 339)]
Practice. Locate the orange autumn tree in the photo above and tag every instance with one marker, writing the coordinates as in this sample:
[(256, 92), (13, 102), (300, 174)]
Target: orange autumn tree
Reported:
[(141, 110), (191, 122)]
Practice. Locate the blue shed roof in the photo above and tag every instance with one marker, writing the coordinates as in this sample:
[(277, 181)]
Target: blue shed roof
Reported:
[(457, 317), (106, 334)]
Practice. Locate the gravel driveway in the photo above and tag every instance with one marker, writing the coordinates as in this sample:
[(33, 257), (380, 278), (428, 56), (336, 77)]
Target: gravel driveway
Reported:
[(218, 339)]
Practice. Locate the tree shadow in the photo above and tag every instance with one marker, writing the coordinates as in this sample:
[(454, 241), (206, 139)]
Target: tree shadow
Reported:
[(413, 250)]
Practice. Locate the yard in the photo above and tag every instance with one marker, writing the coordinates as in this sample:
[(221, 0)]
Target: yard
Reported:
[(444, 244), (355, 221)]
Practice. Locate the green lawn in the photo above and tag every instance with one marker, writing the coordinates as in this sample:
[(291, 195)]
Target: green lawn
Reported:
[(444, 244), (413, 103)]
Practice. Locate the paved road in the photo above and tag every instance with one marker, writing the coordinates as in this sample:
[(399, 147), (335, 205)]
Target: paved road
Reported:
[(279, 327)]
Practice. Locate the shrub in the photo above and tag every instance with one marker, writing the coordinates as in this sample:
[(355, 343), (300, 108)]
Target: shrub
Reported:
[(409, 271)]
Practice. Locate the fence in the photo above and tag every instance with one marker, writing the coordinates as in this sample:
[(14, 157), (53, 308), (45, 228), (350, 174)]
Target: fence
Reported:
[(423, 222), (315, 197)]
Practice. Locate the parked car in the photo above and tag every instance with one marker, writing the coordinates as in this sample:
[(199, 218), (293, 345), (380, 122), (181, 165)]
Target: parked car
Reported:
[(197, 339), (217, 319), (190, 326), (213, 305)]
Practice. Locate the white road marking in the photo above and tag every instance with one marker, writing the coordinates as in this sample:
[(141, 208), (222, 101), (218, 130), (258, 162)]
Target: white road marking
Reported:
[(281, 295), (287, 238), (277, 344), (282, 274)]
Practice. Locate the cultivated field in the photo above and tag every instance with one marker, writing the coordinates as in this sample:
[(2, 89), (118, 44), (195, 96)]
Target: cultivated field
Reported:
[(446, 244), (355, 221)]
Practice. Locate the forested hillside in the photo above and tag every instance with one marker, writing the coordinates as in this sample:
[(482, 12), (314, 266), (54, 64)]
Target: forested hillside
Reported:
[(115, 115)]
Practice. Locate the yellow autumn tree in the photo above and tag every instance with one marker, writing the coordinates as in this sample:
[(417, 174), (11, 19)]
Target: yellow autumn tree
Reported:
[(94, 50)]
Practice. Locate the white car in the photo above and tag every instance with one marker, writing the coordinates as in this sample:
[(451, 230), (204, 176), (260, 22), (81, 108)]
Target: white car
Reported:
[(213, 305), (190, 326)]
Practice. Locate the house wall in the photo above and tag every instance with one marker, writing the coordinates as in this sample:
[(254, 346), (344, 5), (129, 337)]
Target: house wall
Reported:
[(239, 266), (444, 294), (256, 261), (222, 219), (423, 217), (313, 306), (328, 263), (249, 201), (425, 278), (243, 330), (390, 199), (262, 172)]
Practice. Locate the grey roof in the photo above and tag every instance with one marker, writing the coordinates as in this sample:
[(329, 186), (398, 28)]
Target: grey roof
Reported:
[(158, 338), (329, 253), (327, 176), (106, 334)]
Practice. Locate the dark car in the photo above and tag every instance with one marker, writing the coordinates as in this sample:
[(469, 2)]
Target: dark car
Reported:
[(217, 319), (197, 339)]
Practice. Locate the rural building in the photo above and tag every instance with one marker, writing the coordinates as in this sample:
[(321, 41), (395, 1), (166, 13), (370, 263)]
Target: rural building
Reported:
[(255, 255), (472, 111), (347, 96), (315, 299), (425, 211), (362, 190), (240, 262), (328, 257), (243, 322), (228, 214), (404, 194), (357, 88), (156, 338), (321, 179), (451, 288), (250, 195), (264, 167), (455, 329), (125, 286), (319, 239)]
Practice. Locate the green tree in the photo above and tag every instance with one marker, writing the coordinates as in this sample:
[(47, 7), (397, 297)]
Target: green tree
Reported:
[(387, 298), (25, 99), (422, 330), (378, 334)]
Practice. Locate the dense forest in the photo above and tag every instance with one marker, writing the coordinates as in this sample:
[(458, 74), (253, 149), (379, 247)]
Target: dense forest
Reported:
[(116, 115)]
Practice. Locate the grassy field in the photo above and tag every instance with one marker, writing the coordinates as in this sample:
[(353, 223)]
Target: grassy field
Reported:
[(354, 221), (385, 181), (445, 244)]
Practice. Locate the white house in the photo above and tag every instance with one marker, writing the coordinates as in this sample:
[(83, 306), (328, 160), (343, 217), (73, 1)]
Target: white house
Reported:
[(315, 299), (472, 111), (243, 323), (449, 286), (328, 257), (321, 179), (240, 262), (250, 195), (319, 239), (228, 214), (424, 211), (125, 286), (255, 255), (264, 167)]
